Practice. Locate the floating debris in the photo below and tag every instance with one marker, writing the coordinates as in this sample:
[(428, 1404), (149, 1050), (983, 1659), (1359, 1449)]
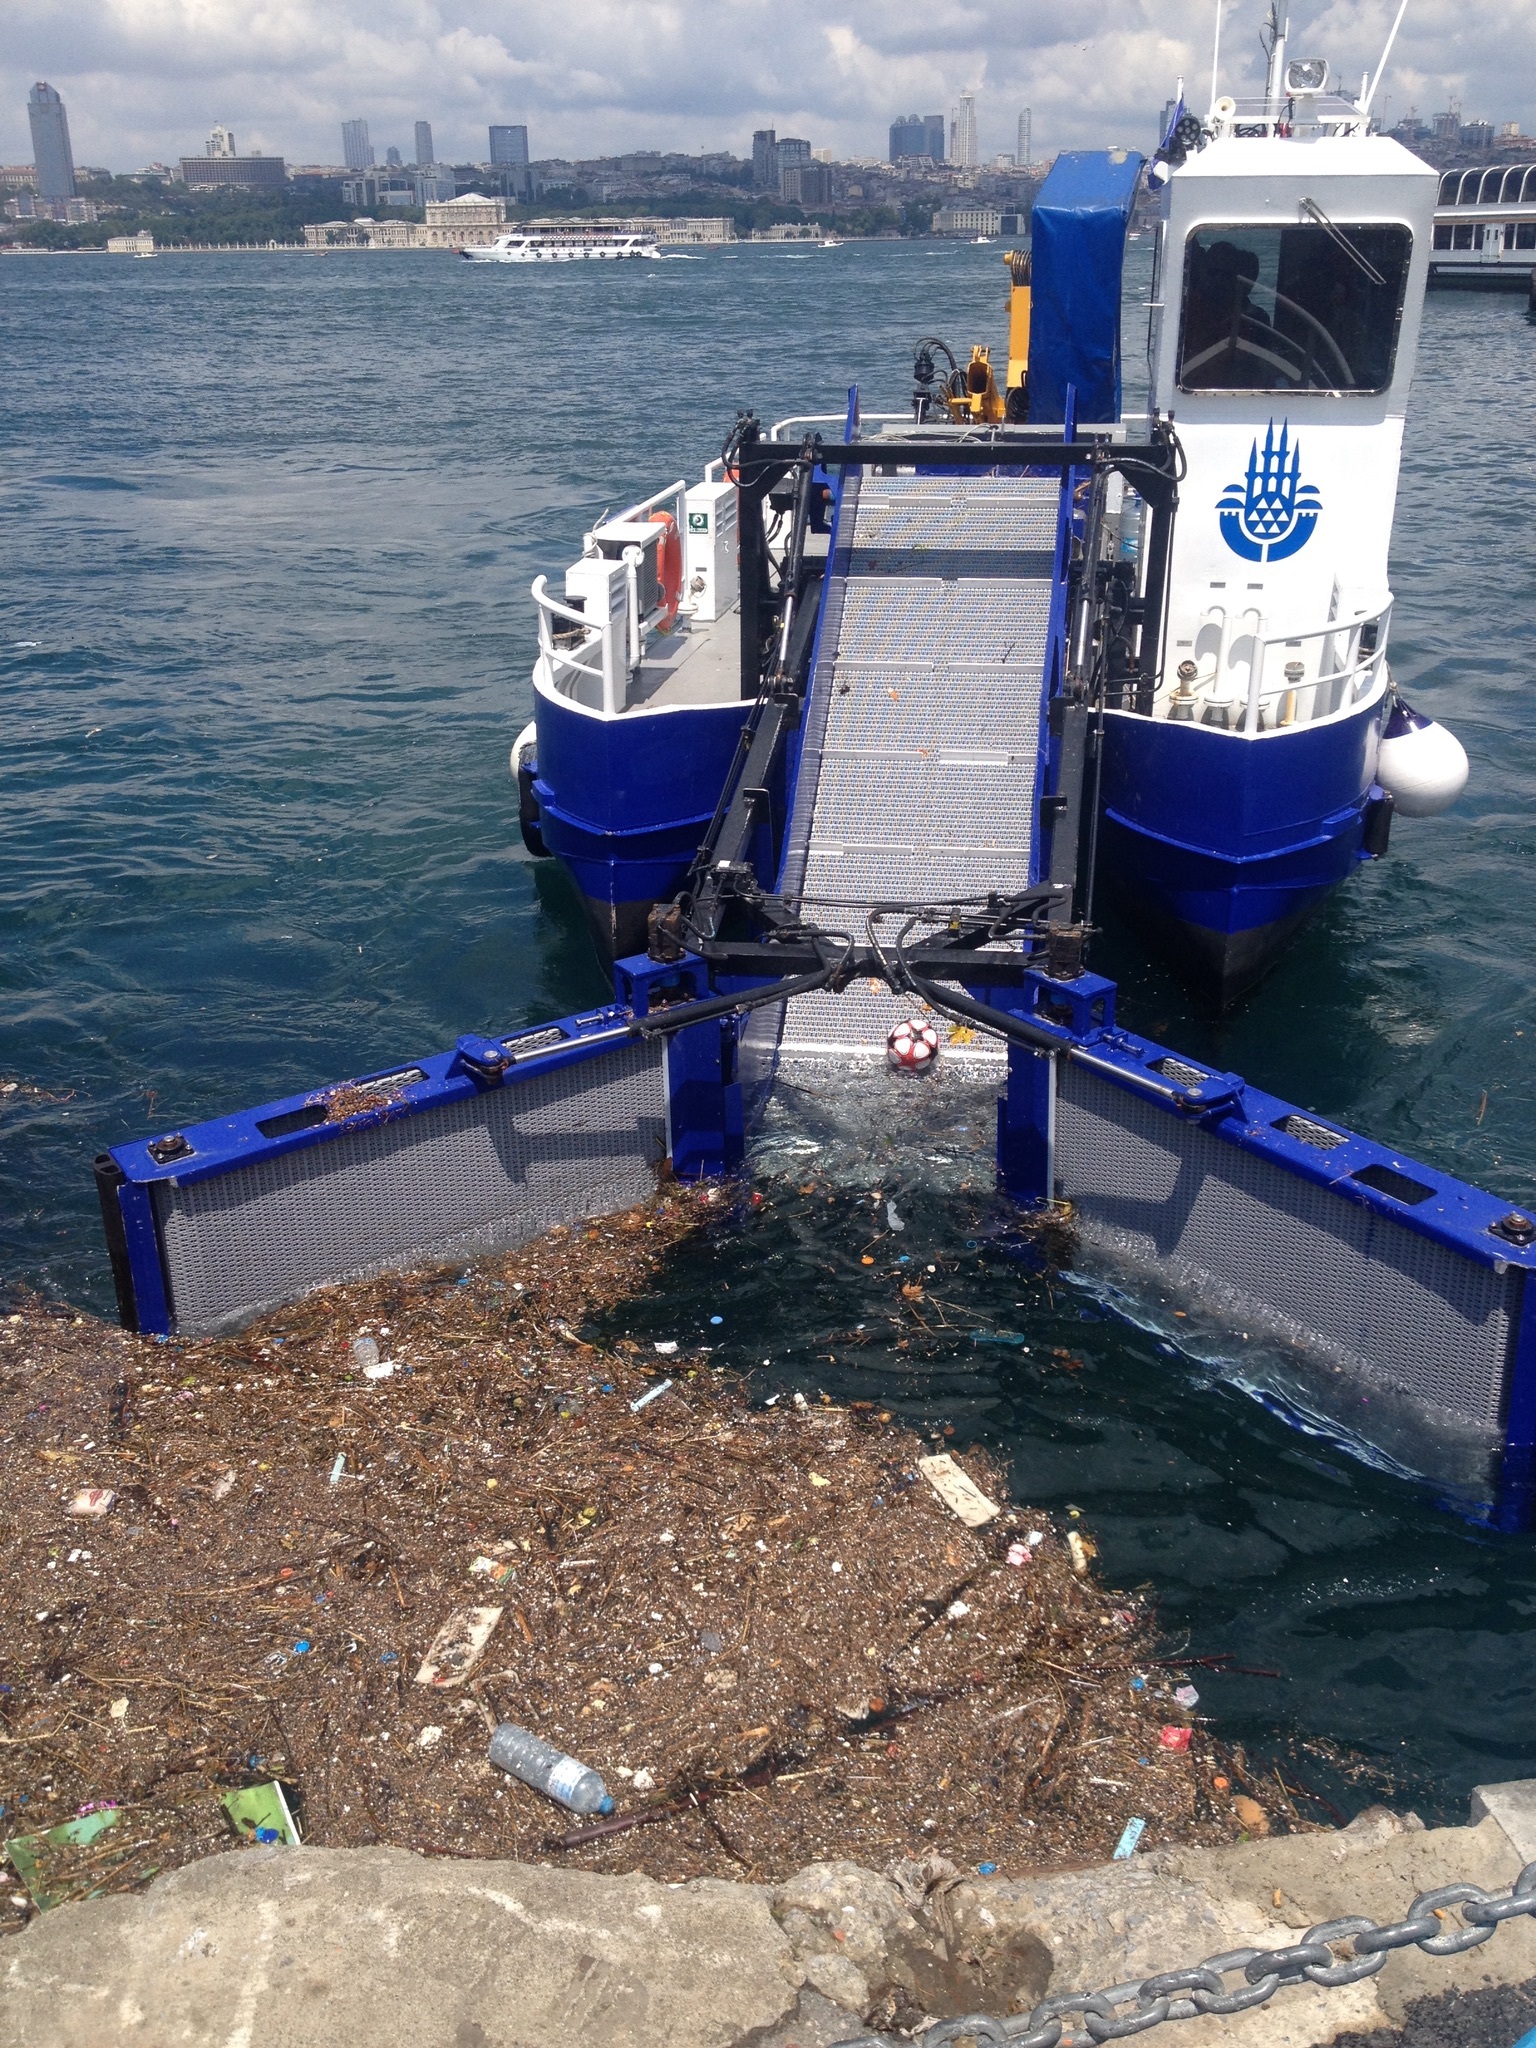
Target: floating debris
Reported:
[(458, 1646), (260, 1813), (843, 1708), (958, 1491)]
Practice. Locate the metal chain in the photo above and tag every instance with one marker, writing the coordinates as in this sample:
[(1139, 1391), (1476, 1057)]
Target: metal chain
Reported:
[(1126, 2009)]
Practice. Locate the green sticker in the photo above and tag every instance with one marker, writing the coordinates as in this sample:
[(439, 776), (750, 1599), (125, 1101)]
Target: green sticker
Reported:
[(698, 522)]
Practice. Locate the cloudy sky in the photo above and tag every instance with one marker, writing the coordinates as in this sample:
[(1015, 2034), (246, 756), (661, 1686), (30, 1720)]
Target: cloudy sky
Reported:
[(145, 79)]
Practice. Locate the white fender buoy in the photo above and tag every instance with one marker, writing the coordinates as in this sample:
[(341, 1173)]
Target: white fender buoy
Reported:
[(1422, 765)]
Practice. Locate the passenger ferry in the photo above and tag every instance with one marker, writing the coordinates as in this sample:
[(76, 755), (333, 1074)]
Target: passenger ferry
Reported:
[(1485, 229), (561, 245), (1245, 745)]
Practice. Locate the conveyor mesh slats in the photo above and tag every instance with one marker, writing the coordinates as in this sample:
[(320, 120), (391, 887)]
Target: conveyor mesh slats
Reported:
[(929, 684)]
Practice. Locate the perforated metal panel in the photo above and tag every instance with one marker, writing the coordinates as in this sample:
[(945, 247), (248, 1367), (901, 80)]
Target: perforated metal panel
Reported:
[(446, 1182), (923, 743), (1301, 1262), (918, 622), (997, 512)]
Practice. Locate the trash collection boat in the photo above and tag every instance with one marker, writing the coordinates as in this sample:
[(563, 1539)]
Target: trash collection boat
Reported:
[(1239, 776), (853, 728)]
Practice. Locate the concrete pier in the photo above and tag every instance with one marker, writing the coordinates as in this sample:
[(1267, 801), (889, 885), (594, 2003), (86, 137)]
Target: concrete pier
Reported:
[(281, 1948)]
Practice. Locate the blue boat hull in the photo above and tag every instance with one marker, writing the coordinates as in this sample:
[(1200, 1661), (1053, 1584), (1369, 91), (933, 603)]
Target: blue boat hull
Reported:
[(1219, 849), (624, 803)]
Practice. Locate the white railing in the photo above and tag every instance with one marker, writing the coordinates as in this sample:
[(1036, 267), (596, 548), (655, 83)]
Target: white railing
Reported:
[(561, 663), (828, 419), (1341, 678), (1349, 673), (677, 492)]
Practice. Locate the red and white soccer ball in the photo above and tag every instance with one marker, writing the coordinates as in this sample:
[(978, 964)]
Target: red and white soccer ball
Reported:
[(912, 1046)]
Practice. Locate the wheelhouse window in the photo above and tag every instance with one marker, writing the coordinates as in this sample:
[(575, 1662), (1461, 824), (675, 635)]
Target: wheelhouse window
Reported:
[(1313, 308)]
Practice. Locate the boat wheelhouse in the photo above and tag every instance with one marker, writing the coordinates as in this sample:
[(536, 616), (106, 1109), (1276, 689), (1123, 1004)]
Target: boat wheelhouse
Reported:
[(1292, 253), (1485, 229)]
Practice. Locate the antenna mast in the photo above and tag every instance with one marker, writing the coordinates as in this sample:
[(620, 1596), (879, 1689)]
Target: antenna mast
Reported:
[(1365, 104), (1215, 56), (1274, 78)]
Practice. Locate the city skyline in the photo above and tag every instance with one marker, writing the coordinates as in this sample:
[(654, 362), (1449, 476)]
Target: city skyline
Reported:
[(683, 77)]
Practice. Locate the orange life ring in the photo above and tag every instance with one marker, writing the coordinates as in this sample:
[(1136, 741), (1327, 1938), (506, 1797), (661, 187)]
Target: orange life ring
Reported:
[(669, 570)]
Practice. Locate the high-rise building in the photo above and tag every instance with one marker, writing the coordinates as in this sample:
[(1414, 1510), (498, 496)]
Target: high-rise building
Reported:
[(424, 153), (392, 157), (966, 151), (792, 150), (221, 142), (52, 158), (1024, 156), (509, 145), (356, 149), (807, 184), (765, 159), (918, 135)]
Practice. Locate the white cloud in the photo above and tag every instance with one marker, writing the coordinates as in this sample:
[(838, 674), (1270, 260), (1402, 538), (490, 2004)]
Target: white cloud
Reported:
[(147, 78)]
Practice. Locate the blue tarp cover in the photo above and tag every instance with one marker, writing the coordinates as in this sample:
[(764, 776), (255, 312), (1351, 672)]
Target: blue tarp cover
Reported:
[(1079, 243)]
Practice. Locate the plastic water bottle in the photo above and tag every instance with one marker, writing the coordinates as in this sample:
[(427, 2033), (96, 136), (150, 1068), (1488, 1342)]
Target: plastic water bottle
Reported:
[(548, 1769)]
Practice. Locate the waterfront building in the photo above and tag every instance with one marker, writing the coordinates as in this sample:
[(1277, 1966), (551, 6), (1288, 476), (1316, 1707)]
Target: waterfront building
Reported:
[(509, 145), (474, 210), (424, 151), (356, 149), (765, 159), (917, 135), (968, 220), (141, 244), (234, 173), (52, 158), (966, 151), (806, 184), (477, 219)]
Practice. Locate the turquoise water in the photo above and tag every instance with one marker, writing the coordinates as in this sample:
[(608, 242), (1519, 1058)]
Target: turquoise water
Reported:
[(270, 525)]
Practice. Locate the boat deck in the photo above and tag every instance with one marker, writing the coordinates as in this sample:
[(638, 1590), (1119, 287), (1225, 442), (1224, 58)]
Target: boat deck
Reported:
[(924, 724), (698, 664)]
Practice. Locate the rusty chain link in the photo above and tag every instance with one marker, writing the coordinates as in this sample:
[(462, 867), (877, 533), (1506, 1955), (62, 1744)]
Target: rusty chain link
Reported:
[(1122, 2010)]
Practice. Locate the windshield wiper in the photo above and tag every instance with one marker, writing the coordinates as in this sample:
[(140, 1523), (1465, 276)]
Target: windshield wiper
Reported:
[(1344, 242)]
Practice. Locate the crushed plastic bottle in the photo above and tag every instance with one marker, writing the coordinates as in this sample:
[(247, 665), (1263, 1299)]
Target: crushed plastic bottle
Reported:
[(549, 1770), (365, 1352)]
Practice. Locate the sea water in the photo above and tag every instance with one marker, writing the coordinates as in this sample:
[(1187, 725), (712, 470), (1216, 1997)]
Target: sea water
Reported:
[(265, 634)]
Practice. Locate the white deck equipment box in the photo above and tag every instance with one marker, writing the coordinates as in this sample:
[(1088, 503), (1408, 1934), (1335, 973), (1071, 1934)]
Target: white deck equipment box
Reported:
[(711, 551)]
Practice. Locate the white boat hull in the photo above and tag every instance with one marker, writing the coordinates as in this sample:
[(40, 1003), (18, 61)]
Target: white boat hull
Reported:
[(523, 253)]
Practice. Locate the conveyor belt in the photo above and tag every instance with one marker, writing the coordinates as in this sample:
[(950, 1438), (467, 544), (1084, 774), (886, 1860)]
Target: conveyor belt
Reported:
[(923, 735)]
